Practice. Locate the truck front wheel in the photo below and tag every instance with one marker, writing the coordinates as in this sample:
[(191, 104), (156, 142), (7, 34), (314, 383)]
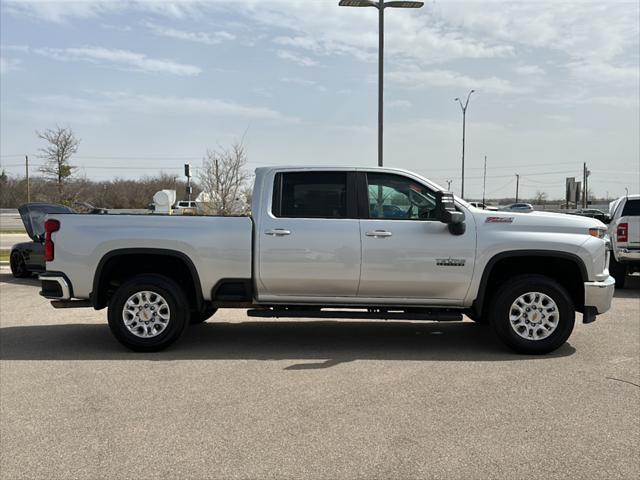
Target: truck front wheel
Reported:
[(532, 314), (618, 271), (148, 313), (18, 267)]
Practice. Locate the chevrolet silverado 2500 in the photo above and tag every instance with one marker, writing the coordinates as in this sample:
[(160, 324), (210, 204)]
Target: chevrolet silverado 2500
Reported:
[(335, 243)]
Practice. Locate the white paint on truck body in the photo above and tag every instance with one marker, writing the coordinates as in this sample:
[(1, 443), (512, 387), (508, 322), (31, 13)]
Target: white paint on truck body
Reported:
[(219, 247), (330, 261)]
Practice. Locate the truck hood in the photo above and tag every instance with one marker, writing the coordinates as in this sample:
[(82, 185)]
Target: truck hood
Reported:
[(34, 215), (541, 221)]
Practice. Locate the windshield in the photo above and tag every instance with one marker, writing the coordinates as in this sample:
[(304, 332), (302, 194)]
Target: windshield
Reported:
[(631, 208)]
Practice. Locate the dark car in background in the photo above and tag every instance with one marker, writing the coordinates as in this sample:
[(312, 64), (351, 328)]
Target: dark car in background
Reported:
[(27, 258), (593, 213)]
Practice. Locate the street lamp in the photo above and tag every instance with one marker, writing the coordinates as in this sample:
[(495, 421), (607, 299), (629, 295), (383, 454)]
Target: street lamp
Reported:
[(463, 106), (380, 6)]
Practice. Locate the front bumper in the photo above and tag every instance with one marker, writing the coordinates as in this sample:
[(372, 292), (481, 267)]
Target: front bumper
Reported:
[(597, 297)]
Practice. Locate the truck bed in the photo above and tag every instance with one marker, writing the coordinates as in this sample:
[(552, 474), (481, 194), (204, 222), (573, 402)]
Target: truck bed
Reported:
[(218, 247)]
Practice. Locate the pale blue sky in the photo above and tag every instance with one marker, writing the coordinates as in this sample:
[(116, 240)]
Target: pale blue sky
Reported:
[(153, 84)]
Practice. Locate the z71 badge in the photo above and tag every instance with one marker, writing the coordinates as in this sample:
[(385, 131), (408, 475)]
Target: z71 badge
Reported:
[(450, 262)]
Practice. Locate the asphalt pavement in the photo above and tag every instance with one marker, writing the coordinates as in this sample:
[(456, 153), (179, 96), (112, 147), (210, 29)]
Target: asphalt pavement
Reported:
[(10, 220), (7, 240), (239, 398)]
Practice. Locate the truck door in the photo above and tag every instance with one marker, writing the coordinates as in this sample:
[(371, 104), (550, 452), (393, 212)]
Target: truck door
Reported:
[(309, 238), (406, 251)]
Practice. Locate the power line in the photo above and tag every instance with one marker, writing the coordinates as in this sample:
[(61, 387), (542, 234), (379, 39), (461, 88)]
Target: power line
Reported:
[(492, 192)]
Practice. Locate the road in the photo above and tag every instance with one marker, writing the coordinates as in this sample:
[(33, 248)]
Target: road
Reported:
[(237, 398), (10, 220), (7, 240)]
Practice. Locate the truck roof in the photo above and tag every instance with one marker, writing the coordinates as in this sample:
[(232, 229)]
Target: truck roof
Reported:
[(262, 171), (333, 167)]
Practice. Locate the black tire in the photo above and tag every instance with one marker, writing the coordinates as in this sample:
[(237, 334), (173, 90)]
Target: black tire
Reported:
[(176, 300), (618, 271), (201, 317), (18, 266), (501, 309)]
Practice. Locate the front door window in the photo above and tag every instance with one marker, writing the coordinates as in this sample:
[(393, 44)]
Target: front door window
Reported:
[(396, 197)]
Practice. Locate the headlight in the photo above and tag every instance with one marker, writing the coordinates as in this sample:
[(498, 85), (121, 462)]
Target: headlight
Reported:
[(598, 232)]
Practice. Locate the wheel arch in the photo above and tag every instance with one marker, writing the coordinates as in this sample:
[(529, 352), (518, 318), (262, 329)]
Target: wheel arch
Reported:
[(113, 263), (534, 261)]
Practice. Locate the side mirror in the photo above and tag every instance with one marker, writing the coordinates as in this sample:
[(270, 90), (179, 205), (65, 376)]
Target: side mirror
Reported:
[(447, 213)]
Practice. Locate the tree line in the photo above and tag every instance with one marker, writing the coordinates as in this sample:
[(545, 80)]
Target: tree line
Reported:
[(223, 178)]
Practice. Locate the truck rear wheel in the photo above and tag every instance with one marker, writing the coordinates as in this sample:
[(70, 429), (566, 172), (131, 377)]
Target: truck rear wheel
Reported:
[(532, 314), (148, 313)]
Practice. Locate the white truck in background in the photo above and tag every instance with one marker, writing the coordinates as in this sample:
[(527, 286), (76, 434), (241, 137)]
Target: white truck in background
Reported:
[(370, 243), (624, 232)]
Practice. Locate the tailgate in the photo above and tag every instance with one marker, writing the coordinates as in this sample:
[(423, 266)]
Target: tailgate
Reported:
[(634, 230)]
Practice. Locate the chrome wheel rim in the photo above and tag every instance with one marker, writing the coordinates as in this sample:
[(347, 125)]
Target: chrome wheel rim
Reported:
[(146, 314), (534, 316)]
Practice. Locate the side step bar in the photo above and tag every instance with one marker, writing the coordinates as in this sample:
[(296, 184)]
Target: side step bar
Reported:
[(71, 303), (440, 315)]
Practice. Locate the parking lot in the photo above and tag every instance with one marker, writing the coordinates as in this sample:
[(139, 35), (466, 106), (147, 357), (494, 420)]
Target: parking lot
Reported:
[(238, 398)]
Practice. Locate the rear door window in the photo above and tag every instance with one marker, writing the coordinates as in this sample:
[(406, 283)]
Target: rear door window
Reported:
[(311, 195)]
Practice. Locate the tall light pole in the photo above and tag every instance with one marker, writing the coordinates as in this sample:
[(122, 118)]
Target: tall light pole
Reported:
[(484, 180), (26, 172), (463, 106), (380, 6)]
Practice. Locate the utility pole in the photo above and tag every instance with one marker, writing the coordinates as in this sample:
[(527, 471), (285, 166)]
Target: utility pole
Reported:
[(380, 80), (26, 169), (463, 107), (517, 186), (484, 179), (585, 185), (586, 190), (187, 173)]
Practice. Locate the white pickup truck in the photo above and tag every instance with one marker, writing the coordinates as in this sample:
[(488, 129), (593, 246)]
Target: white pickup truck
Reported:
[(370, 243), (624, 231)]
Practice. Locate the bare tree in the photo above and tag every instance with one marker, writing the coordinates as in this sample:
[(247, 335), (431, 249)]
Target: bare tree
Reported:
[(540, 198), (223, 180), (61, 144)]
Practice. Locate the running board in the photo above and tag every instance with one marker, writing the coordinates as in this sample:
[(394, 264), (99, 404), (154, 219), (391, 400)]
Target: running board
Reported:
[(71, 303), (440, 315)]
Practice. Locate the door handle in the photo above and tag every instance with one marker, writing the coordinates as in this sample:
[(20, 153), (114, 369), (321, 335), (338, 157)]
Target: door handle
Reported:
[(278, 232), (378, 233)]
